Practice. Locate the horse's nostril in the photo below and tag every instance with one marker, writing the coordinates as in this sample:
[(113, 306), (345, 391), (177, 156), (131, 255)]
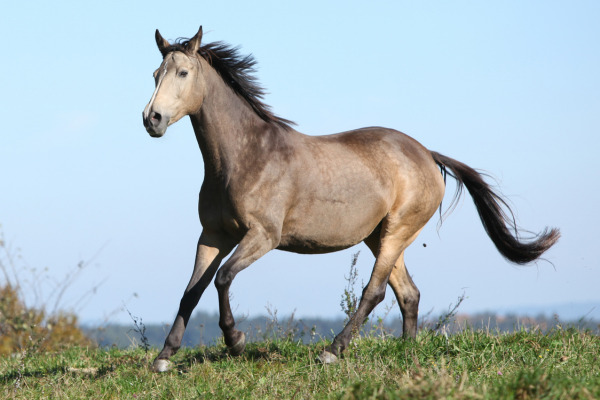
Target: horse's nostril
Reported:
[(155, 117)]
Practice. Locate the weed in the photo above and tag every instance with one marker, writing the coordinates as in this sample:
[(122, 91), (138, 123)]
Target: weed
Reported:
[(140, 329), (378, 328), (349, 302), (449, 315)]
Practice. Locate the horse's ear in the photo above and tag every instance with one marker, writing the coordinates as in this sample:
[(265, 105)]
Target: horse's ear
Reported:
[(162, 43), (194, 44)]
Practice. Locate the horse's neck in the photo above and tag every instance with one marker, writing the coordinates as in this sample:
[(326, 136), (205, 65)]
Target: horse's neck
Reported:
[(224, 126)]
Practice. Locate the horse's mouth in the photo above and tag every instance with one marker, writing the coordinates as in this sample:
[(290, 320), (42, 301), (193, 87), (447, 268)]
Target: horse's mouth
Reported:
[(155, 134)]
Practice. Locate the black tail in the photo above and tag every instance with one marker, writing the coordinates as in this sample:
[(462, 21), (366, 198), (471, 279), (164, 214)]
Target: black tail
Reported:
[(497, 222)]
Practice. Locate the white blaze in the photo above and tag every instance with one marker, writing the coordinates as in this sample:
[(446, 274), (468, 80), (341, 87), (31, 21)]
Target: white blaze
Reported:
[(160, 79)]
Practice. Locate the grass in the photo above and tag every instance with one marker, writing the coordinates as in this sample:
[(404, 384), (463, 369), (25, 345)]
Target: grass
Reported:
[(562, 364), (472, 364)]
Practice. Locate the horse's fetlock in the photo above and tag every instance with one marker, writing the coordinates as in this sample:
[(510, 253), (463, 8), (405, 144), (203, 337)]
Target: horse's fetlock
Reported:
[(226, 324)]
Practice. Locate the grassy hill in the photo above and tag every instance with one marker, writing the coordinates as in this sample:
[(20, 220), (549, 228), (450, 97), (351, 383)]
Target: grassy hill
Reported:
[(472, 364)]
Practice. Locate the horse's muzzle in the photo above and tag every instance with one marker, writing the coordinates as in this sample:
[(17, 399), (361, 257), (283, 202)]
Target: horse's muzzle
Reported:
[(155, 123)]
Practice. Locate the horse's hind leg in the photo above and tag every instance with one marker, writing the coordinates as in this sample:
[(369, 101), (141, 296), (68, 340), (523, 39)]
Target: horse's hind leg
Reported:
[(407, 293), (408, 297), (393, 243)]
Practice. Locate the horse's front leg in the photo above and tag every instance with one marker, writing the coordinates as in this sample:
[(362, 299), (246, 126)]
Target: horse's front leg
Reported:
[(256, 243), (212, 248)]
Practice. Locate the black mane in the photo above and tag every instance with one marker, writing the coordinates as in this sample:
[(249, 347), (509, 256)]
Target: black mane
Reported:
[(237, 72)]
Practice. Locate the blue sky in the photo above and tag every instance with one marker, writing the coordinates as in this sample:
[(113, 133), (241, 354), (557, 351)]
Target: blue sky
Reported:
[(508, 87)]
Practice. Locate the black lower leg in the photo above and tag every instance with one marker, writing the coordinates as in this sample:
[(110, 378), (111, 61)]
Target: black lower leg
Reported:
[(366, 305)]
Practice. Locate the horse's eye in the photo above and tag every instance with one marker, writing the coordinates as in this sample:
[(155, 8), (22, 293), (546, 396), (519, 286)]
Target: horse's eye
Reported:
[(183, 73)]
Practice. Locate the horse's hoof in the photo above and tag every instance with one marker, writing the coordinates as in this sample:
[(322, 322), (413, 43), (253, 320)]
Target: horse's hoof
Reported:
[(239, 347), (161, 365), (327, 358)]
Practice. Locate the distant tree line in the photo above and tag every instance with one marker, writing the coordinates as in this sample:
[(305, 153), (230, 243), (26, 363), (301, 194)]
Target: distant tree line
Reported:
[(203, 328)]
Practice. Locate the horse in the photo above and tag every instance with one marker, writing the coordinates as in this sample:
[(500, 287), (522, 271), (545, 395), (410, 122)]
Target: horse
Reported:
[(267, 186)]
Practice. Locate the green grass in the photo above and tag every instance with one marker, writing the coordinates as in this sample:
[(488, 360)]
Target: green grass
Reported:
[(562, 364)]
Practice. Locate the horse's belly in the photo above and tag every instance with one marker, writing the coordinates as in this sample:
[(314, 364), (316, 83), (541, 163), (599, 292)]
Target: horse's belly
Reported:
[(329, 226)]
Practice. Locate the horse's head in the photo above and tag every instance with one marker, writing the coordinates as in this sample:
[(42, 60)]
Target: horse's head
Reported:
[(180, 85)]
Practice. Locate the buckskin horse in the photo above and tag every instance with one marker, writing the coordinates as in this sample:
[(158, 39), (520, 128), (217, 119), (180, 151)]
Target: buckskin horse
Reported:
[(267, 186)]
